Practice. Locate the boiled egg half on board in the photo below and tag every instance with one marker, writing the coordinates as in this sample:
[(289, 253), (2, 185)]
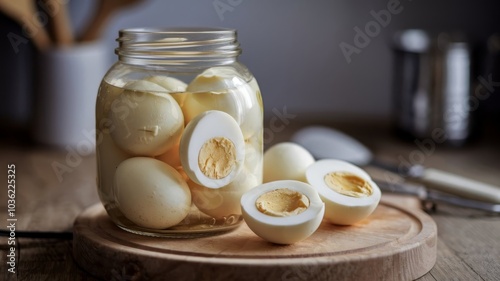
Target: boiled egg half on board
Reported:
[(349, 193), (212, 149), (283, 212)]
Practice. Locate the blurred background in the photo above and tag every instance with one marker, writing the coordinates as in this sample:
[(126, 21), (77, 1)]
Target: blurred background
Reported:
[(303, 53)]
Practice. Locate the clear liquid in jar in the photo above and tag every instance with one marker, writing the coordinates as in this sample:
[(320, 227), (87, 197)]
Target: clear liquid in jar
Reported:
[(118, 110)]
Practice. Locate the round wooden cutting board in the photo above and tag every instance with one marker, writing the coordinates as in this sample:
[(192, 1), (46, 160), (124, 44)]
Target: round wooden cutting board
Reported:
[(397, 242)]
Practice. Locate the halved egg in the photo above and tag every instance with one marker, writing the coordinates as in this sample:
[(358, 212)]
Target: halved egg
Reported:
[(212, 149), (286, 161), (349, 193), (145, 122), (150, 193), (283, 212)]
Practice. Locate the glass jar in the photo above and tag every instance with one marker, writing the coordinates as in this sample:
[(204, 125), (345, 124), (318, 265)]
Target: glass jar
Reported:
[(179, 126)]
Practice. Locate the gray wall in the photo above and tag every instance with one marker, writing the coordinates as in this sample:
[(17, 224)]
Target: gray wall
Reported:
[(292, 46)]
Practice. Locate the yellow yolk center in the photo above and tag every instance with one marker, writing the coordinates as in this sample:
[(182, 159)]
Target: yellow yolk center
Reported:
[(282, 202), (348, 184), (217, 157)]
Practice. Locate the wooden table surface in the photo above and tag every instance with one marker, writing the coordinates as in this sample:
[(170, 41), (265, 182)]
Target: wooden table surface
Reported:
[(468, 240)]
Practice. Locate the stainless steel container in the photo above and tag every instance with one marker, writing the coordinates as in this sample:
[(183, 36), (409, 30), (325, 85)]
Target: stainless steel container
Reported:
[(432, 85)]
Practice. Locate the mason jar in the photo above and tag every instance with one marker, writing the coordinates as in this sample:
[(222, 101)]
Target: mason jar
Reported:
[(179, 124)]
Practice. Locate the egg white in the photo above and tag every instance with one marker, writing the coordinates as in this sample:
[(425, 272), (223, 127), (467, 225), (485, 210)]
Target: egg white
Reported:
[(342, 209), (286, 161), (222, 88), (208, 125), (150, 193), (171, 85), (283, 230), (145, 123)]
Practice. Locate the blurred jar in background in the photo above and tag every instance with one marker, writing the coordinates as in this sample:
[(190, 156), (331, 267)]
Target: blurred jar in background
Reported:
[(432, 86)]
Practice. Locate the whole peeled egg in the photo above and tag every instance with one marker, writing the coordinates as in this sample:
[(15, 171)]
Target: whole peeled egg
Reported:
[(150, 193), (349, 193), (286, 161), (223, 88), (146, 121), (283, 212), (172, 85)]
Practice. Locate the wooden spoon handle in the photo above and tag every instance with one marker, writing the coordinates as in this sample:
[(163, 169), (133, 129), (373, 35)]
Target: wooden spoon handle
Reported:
[(39, 35), (60, 23), (461, 186), (24, 12), (97, 24), (105, 10)]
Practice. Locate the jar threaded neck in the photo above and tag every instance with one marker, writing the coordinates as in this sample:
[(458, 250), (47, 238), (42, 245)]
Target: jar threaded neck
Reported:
[(178, 46)]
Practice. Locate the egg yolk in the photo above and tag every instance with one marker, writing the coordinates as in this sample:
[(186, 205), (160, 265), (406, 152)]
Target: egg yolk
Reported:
[(282, 202), (217, 157), (348, 184)]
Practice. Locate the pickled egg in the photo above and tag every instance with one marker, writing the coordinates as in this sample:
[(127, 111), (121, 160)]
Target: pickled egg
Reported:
[(349, 193), (216, 79), (145, 122), (283, 212), (286, 161), (221, 88), (212, 149), (222, 201), (150, 193), (109, 157), (172, 85), (144, 86)]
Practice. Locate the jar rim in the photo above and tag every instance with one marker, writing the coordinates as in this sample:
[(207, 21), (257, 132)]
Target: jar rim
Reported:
[(175, 30), (179, 46)]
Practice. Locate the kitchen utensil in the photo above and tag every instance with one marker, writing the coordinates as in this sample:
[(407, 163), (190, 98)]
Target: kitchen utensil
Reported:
[(105, 10), (324, 142), (60, 23), (397, 241), (412, 88), (25, 13), (435, 196)]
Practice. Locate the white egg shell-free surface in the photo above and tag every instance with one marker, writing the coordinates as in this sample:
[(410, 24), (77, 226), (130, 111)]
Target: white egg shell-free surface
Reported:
[(254, 156), (283, 230), (342, 209), (221, 88), (286, 161), (223, 201), (217, 78), (208, 125), (109, 156), (150, 193), (145, 86), (146, 123), (170, 84)]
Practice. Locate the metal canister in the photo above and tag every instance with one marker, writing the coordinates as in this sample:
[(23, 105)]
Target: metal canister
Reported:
[(432, 85)]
